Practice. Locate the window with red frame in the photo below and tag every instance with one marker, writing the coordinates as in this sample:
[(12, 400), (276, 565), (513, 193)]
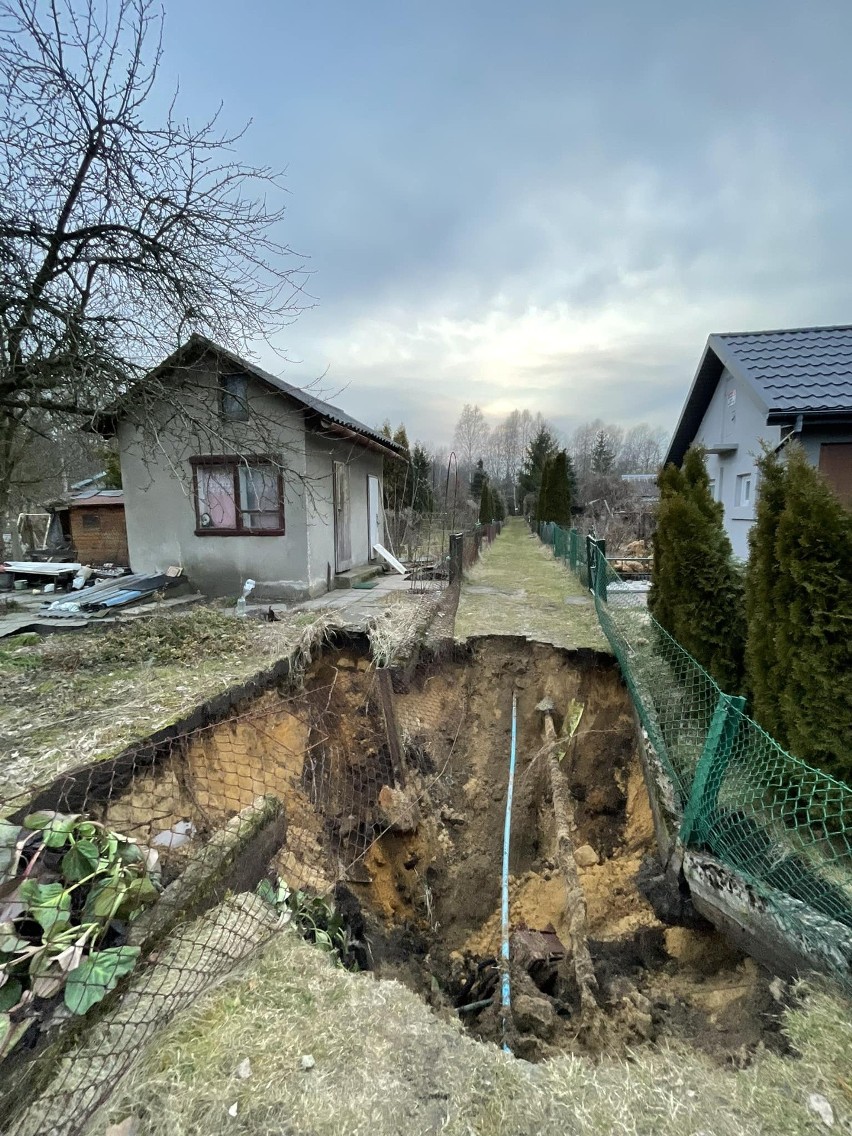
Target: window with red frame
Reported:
[(238, 496)]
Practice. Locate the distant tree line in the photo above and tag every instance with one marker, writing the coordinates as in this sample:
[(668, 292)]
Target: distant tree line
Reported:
[(777, 629)]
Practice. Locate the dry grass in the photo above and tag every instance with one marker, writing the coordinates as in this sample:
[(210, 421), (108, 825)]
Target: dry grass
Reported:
[(384, 1064), (81, 697), (528, 593)]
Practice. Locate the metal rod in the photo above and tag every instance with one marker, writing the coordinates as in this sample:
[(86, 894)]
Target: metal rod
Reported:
[(506, 998)]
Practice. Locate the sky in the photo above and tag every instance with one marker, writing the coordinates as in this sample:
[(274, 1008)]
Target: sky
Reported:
[(547, 205)]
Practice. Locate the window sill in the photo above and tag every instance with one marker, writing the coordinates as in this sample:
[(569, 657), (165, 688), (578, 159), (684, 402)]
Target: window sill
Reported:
[(239, 532)]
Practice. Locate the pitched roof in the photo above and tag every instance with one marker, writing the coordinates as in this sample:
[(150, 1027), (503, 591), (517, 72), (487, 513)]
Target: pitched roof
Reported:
[(198, 345), (791, 371)]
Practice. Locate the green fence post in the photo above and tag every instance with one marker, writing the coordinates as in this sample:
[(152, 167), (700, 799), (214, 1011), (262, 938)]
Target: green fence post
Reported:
[(600, 570), (573, 550), (711, 769)]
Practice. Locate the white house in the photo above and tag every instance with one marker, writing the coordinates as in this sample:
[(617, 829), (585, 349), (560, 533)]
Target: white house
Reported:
[(768, 387), (233, 473)]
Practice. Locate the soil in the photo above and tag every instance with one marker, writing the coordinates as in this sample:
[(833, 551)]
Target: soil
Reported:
[(422, 896), (433, 900)]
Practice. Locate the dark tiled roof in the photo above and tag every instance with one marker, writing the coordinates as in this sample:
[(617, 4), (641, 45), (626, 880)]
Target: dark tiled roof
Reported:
[(806, 370), (803, 370)]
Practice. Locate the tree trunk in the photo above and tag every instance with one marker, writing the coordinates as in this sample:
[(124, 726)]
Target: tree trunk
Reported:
[(563, 809)]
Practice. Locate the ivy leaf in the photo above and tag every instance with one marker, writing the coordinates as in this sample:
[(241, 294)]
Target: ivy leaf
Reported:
[(80, 860), (10, 994), (93, 979)]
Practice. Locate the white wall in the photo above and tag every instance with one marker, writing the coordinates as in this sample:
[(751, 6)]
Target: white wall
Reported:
[(735, 416)]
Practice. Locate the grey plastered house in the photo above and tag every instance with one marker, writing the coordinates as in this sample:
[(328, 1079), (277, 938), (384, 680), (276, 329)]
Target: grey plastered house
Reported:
[(233, 473), (768, 386)]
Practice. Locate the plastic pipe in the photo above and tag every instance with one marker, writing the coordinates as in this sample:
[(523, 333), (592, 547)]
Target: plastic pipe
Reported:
[(506, 990)]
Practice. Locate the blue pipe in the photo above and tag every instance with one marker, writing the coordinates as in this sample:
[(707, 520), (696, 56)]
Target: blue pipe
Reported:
[(507, 832)]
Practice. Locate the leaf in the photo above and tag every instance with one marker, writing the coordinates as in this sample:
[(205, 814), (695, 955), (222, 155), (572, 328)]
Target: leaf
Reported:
[(129, 852), (11, 1033), (10, 940), (104, 899), (39, 820), (9, 834), (96, 976), (80, 860), (10, 994), (138, 894), (57, 830), (48, 903)]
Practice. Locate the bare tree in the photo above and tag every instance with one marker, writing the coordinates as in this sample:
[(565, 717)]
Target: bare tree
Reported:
[(118, 239), (471, 435)]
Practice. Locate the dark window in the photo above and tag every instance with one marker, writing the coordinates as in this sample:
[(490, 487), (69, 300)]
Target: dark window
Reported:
[(233, 398), (238, 496), (91, 521)]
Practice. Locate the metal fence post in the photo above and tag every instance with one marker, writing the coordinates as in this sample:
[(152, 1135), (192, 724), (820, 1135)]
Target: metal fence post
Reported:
[(600, 570), (456, 556), (573, 550), (711, 769)]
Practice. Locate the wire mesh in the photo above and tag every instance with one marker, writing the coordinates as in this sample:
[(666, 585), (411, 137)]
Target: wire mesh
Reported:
[(295, 782), (783, 826)]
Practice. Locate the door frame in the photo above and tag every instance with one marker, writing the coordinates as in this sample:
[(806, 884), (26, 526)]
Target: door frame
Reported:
[(371, 556), (342, 517)]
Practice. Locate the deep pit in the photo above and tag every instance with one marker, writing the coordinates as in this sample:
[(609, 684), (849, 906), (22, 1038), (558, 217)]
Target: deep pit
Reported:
[(395, 792)]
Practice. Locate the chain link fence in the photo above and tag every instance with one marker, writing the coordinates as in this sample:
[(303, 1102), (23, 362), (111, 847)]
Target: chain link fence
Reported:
[(129, 885), (782, 826)]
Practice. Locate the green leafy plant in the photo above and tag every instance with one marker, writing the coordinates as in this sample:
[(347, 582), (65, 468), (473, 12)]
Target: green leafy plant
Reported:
[(65, 883), (317, 920)]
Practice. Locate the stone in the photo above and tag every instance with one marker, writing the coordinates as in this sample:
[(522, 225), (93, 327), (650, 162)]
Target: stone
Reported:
[(585, 856), (533, 1015), (818, 1104), (397, 811), (450, 816), (308, 1062)]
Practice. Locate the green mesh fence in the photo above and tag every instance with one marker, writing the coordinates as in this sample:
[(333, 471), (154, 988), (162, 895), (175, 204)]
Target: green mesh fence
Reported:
[(782, 826)]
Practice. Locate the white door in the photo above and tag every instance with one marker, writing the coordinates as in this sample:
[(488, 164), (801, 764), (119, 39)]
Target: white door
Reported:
[(374, 516)]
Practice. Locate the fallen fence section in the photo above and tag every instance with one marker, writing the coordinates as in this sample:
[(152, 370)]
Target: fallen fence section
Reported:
[(763, 840)]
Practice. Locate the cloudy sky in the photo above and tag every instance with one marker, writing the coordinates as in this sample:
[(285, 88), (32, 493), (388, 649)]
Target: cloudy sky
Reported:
[(546, 205)]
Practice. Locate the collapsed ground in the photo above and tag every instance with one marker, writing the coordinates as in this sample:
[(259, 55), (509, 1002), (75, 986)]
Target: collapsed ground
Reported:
[(294, 1044)]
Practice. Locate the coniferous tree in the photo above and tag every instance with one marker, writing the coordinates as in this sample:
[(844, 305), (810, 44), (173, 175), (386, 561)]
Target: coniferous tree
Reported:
[(697, 590), (542, 507), (558, 493), (486, 505), (603, 455), (800, 586), (397, 474), (479, 476), (499, 505), (422, 497), (764, 681), (542, 447)]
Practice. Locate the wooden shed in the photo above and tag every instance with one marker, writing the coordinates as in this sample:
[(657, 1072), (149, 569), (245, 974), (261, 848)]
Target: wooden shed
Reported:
[(98, 531)]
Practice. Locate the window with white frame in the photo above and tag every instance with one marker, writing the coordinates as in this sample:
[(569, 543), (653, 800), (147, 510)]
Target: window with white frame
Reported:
[(743, 490)]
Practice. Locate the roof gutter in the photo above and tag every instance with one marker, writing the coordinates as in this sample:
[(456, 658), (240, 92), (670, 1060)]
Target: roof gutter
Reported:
[(330, 427)]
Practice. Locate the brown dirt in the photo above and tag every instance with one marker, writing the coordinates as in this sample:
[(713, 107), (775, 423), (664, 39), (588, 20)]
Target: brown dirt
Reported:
[(436, 893), (432, 897)]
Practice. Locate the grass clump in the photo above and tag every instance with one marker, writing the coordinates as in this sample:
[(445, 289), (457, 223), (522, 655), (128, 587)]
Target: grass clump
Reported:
[(159, 640)]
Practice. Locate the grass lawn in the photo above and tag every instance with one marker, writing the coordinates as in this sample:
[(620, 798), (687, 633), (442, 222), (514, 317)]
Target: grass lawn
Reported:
[(517, 588), (380, 1063)]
